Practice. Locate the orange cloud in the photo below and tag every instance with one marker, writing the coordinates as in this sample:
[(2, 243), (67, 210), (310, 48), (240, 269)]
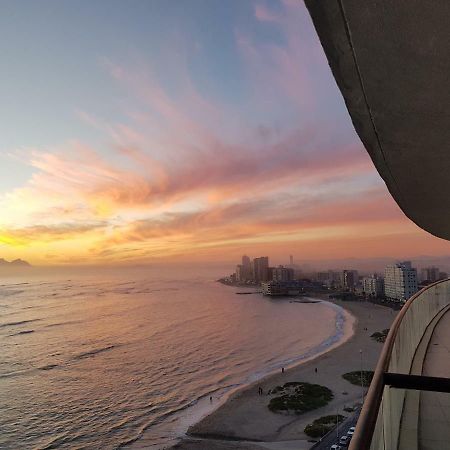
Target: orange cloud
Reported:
[(183, 175)]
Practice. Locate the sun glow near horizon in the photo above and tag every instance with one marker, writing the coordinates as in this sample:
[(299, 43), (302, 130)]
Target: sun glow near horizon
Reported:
[(194, 146)]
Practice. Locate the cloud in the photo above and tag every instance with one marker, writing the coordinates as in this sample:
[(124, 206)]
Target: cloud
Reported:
[(289, 65), (261, 217), (177, 172), (81, 176), (43, 233)]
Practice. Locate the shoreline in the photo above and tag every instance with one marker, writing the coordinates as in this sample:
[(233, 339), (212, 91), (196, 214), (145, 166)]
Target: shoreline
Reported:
[(340, 331), (242, 419)]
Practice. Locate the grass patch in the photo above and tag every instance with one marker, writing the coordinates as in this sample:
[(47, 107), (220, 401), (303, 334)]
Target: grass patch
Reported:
[(299, 397), (355, 377), (320, 427), (380, 336)]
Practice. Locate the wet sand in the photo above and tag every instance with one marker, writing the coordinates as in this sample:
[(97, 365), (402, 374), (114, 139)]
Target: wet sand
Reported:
[(245, 415)]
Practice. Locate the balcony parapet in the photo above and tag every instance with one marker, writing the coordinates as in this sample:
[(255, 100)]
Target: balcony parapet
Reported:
[(379, 425)]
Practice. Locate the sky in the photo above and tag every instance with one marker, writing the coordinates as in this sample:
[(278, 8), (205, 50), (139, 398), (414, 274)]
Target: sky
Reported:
[(197, 130)]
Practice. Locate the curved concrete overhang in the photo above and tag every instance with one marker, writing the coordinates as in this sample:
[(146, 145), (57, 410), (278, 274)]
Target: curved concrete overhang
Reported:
[(391, 61)]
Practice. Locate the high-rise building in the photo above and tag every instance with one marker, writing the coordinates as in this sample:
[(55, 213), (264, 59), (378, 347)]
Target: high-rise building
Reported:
[(373, 285), (291, 260), (281, 273), (261, 269), (350, 279), (324, 276), (429, 274), (400, 281), (246, 261), (246, 268), (330, 278), (239, 273)]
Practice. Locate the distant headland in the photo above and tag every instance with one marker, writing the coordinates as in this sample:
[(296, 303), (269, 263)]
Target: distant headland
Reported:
[(15, 263)]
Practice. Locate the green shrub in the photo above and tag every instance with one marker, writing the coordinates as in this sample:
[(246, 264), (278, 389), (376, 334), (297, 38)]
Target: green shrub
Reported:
[(380, 336), (355, 377), (299, 397), (320, 427)]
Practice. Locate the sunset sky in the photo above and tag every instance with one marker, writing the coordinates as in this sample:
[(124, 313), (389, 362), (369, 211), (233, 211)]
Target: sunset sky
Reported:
[(195, 130)]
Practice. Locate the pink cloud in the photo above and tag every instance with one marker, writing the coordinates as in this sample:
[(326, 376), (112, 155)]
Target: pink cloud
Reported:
[(287, 67), (222, 170), (253, 218), (264, 14), (169, 149)]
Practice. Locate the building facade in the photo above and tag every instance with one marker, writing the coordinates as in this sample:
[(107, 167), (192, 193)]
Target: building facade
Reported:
[(246, 269), (400, 281), (261, 269), (274, 288), (281, 273), (373, 286), (430, 274), (350, 279), (238, 273), (330, 278)]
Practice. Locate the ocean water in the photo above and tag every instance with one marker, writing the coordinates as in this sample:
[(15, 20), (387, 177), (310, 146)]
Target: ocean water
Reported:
[(101, 360)]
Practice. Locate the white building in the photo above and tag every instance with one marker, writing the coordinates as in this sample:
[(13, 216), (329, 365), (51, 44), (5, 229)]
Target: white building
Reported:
[(400, 281), (373, 286)]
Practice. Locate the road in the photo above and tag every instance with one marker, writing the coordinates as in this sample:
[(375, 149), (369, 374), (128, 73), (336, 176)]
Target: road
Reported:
[(332, 438)]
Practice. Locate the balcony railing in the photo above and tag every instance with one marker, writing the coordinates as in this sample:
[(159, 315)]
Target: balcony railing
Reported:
[(399, 370)]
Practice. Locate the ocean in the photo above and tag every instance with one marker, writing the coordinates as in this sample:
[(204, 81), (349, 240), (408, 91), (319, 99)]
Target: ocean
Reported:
[(116, 358)]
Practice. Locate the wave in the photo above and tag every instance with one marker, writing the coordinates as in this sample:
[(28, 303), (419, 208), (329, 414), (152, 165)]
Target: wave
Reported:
[(16, 374), (94, 352), (52, 366), (49, 367), (61, 324), (9, 293), (22, 332), (21, 322)]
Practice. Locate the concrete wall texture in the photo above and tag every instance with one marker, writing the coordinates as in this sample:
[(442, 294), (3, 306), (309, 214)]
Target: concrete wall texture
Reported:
[(407, 355), (390, 61)]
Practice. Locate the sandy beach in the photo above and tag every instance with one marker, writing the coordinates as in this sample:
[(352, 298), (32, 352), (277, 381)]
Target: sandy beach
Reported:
[(244, 420)]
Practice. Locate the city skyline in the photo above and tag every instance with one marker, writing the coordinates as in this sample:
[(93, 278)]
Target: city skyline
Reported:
[(174, 141)]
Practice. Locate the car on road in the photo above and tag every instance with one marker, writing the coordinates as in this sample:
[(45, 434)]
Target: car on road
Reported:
[(335, 447), (344, 441)]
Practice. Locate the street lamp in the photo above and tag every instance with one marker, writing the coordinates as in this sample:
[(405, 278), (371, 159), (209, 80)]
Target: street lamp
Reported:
[(362, 382), (337, 423)]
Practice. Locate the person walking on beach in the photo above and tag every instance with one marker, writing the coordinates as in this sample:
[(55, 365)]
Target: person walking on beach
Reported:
[(315, 370), (282, 370), (210, 399)]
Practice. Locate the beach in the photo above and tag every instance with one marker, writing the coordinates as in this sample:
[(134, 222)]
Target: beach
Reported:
[(244, 420)]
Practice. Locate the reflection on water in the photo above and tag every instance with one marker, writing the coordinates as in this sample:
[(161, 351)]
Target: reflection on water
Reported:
[(92, 364)]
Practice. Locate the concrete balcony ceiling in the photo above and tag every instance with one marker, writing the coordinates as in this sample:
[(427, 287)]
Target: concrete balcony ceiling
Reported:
[(391, 62)]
